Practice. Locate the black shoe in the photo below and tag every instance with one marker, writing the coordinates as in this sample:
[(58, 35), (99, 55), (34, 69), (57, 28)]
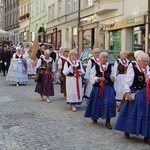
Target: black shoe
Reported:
[(127, 135), (95, 121), (86, 97)]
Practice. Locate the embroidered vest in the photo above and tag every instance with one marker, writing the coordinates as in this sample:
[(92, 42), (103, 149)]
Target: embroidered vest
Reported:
[(107, 74), (72, 74), (139, 79)]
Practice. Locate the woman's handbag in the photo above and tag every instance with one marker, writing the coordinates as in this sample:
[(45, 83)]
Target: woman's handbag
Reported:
[(38, 76), (132, 96)]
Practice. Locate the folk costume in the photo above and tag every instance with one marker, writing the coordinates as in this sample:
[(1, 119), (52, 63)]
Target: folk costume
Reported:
[(120, 68), (45, 68), (61, 62), (102, 102), (73, 81), (18, 69), (90, 64), (30, 65), (134, 116)]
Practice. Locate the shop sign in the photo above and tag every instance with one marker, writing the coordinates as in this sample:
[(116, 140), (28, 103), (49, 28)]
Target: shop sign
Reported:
[(134, 20), (87, 20)]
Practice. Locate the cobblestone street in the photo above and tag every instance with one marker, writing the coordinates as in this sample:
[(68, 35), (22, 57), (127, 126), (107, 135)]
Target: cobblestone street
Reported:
[(26, 123)]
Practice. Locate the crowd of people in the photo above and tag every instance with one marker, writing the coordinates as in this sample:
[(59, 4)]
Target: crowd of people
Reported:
[(126, 81)]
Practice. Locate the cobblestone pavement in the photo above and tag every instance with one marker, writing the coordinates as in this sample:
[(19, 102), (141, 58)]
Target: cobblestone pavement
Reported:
[(26, 123)]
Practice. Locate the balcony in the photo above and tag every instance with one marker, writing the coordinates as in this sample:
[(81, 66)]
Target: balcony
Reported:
[(104, 6)]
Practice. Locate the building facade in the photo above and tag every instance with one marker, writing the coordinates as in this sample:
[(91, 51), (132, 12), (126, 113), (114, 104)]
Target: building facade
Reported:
[(24, 7), (122, 24), (1, 14), (63, 18), (38, 23), (11, 19), (107, 24)]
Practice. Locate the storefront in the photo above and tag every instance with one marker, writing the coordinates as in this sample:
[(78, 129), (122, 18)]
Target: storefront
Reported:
[(88, 28), (127, 34), (115, 40)]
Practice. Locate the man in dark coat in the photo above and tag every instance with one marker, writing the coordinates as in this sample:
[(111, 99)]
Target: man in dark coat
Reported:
[(40, 51), (5, 58), (11, 49), (1, 49), (53, 54)]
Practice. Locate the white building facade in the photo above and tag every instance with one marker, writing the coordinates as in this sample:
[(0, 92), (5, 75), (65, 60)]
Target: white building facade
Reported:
[(107, 24), (1, 14)]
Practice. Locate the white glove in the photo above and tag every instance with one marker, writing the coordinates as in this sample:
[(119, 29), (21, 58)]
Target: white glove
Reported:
[(5, 63)]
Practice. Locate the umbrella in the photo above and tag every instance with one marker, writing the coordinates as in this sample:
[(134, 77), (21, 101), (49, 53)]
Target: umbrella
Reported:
[(35, 47), (3, 33)]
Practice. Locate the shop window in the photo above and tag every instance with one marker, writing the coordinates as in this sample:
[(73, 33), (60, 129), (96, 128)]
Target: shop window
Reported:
[(139, 38), (115, 40), (87, 39)]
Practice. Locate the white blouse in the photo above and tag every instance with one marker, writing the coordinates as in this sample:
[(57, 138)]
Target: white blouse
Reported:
[(116, 65), (60, 61), (47, 61), (130, 77), (88, 69), (69, 69), (93, 77)]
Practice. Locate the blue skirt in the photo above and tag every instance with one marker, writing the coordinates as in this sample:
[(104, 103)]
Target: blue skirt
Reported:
[(101, 108), (44, 87), (134, 116)]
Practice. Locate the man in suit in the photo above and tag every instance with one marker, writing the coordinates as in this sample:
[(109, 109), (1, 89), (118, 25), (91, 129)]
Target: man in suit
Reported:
[(11, 49), (5, 58)]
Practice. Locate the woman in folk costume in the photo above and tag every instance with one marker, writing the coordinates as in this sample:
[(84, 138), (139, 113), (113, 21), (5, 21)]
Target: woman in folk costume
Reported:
[(134, 116), (95, 59), (30, 63), (61, 61), (73, 71), (102, 98), (18, 69), (120, 68), (45, 69)]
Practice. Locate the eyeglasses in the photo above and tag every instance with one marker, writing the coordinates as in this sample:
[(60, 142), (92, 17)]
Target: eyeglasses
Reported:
[(66, 51)]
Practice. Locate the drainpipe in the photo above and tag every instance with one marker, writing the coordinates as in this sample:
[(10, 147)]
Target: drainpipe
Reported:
[(79, 7)]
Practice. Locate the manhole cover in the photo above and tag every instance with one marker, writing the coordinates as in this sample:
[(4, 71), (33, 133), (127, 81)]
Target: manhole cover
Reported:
[(15, 126), (20, 116)]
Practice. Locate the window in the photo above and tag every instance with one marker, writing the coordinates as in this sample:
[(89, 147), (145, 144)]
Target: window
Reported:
[(37, 8), (28, 8), (32, 10), (50, 13), (53, 11), (59, 8), (68, 6), (21, 10), (74, 5), (44, 4), (89, 3), (25, 11)]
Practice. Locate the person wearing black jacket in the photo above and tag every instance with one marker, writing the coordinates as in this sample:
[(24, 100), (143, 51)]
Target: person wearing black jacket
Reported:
[(53, 54), (40, 52), (5, 58)]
